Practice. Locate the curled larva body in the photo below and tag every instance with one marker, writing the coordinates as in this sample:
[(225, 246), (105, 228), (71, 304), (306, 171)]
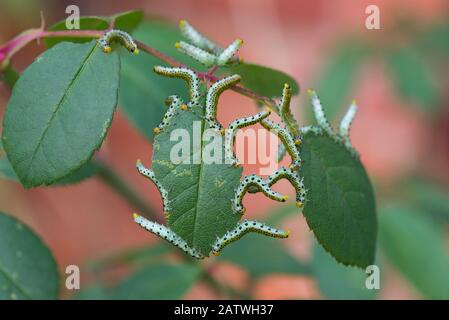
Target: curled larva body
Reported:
[(243, 228), (167, 234), (232, 129), (200, 55), (295, 180), (118, 35), (229, 52), (286, 139), (150, 175), (256, 181), (212, 99), (285, 111), (187, 75), (198, 39)]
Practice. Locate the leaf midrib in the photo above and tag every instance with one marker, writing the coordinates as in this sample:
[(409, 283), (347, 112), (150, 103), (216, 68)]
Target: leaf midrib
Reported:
[(58, 106)]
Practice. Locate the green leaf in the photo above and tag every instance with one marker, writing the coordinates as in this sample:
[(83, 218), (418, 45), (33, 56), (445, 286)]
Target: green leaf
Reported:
[(416, 246), (86, 23), (142, 92), (127, 21), (199, 193), (261, 255), (340, 206), (337, 78), (27, 268), (434, 40), (86, 171), (161, 282), (60, 111), (263, 80), (414, 79), (336, 281)]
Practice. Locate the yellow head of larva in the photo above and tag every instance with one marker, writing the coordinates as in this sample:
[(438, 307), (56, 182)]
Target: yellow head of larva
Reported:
[(135, 216), (177, 45), (156, 130), (107, 49), (182, 24)]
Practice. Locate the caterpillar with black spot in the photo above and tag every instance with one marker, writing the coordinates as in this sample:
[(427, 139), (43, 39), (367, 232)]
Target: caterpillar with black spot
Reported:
[(243, 228), (345, 126), (148, 173), (320, 116), (289, 142), (206, 58), (122, 37), (255, 181), (167, 234), (212, 100), (296, 181), (198, 39), (204, 50), (234, 126), (174, 103), (200, 55), (187, 75)]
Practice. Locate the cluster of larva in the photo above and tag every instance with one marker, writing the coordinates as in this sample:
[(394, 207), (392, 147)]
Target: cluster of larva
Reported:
[(148, 173), (254, 181), (118, 35), (243, 228), (204, 50), (249, 182), (324, 125), (236, 125), (167, 234), (195, 37)]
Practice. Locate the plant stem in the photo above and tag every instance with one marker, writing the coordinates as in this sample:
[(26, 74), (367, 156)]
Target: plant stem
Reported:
[(121, 187)]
